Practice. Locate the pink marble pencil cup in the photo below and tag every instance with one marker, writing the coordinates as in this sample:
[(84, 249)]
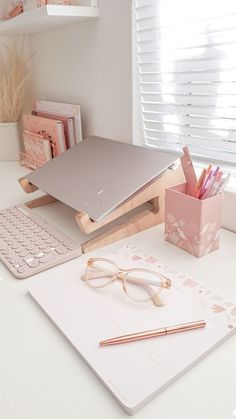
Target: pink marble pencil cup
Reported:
[(190, 223)]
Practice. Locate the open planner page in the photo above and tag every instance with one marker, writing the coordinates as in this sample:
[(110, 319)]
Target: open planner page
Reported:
[(135, 372)]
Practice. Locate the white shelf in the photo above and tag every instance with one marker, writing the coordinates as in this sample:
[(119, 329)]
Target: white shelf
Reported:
[(45, 18)]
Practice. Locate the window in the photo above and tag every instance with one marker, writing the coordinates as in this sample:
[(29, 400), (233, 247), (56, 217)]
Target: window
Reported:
[(185, 76)]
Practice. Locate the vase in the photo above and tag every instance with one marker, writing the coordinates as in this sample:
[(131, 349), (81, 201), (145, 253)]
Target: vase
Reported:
[(10, 141)]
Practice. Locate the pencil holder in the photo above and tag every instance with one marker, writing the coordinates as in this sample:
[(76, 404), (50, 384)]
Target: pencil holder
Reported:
[(190, 223)]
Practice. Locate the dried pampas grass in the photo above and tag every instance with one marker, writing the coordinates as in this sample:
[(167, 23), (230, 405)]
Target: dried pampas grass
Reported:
[(14, 78)]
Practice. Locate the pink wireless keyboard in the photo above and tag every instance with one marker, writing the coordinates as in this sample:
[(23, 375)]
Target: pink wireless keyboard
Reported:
[(29, 245)]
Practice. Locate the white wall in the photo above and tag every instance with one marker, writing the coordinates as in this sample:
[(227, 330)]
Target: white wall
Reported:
[(90, 63), (4, 6)]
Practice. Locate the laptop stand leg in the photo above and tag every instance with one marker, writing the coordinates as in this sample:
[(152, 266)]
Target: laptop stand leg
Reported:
[(135, 224), (39, 202)]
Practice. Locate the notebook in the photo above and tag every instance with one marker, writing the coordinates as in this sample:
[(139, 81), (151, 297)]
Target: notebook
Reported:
[(37, 149), (51, 128), (98, 174), (136, 372)]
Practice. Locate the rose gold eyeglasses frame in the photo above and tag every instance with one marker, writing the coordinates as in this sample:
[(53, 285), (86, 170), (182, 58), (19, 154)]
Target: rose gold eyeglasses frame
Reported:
[(121, 274)]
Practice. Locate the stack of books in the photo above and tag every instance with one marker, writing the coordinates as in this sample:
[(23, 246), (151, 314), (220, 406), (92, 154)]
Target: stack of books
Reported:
[(51, 129)]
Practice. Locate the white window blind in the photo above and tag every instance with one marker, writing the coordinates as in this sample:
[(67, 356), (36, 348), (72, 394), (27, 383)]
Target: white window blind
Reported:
[(185, 76)]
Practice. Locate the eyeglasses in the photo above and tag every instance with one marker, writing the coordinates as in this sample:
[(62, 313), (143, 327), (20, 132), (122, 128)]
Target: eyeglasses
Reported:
[(138, 283)]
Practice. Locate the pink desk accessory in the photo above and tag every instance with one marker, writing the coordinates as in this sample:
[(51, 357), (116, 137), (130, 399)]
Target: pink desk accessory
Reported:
[(193, 209), (154, 333), (190, 223)]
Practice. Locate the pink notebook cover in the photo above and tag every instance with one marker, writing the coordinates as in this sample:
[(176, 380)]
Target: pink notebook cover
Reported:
[(60, 108), (37, 149), (136, 372), (50, 127)]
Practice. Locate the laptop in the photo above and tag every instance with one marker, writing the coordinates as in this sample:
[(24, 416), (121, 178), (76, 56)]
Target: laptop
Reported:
[(98, 174)]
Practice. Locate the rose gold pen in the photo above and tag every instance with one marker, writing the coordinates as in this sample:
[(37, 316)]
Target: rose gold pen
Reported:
[(154, 333)]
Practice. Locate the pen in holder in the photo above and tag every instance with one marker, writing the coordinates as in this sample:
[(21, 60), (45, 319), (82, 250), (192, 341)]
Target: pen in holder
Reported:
[(190, 223)]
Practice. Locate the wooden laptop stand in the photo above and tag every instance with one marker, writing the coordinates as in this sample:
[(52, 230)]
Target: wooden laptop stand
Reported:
[(152, 195)]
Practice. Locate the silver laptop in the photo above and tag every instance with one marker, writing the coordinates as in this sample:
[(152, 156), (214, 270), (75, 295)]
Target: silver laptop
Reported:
[(97, 175)]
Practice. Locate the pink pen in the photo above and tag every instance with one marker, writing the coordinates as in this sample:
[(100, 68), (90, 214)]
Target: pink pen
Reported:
[(215, 184), (211, 179), (206, 184), (223, 184)]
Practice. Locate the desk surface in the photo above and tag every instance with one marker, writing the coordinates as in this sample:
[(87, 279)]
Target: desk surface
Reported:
[(42, 377)]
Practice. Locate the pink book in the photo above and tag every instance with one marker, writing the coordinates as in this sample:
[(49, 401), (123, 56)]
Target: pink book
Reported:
[(68, 126), (49, 127), (65, 109), (37, 149)]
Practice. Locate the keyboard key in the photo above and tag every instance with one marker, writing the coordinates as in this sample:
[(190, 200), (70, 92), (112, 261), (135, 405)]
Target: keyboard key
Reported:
[(41, 233), (21, 270), (30, 247), (54, 245), (5, 252), (42, 246), (61, 250), (38, 242), (9, 256), (12, 261), (48, 250), (3, 248), (19, 249), (24, 253), (50, 240), (47, 258), (45, 237), (26, 244), (34, 251), (39, 255), (31, 262)]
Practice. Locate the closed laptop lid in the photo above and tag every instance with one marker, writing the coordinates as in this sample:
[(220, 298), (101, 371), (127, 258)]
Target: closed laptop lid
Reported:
[(97, 175)]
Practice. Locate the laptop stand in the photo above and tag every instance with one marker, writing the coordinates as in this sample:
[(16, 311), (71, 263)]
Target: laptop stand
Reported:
[(147, 203)]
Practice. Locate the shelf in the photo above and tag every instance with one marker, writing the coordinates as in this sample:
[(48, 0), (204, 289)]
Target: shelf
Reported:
[(45, 18)]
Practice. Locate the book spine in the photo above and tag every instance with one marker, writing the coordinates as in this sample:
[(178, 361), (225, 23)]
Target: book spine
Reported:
[(71, 133), (78, 129), (60, 141)]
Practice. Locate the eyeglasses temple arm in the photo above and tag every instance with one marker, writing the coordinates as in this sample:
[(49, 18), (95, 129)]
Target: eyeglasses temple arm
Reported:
[(157, 301)]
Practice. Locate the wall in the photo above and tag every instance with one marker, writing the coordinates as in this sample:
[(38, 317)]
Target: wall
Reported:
[(90, 63), (4, 5)]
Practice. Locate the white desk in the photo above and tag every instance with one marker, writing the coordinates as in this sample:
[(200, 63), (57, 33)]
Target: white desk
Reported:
[(42, 377)]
